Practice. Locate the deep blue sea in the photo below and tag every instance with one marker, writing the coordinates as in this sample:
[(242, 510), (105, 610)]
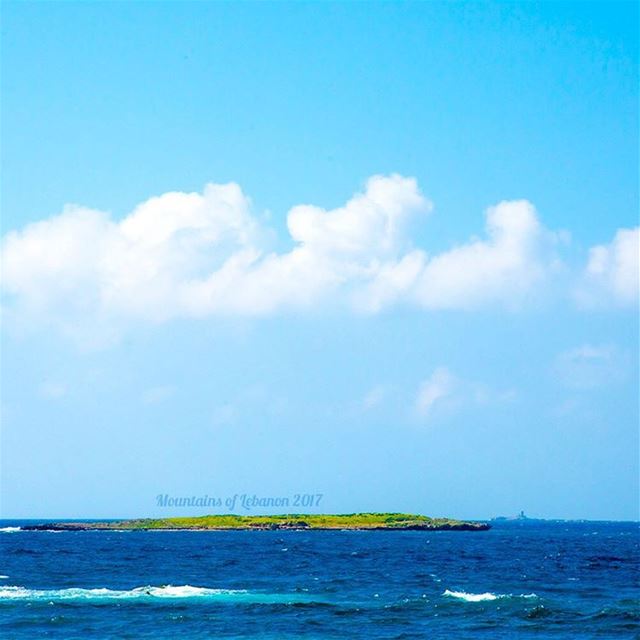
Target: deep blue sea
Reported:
[(519, 580)]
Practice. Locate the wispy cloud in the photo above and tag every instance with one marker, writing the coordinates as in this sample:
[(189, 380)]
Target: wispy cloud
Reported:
[(443, 393), (373, 398), (590, 366), (53, 390), (157, 395), (434, 390), (224, 415)]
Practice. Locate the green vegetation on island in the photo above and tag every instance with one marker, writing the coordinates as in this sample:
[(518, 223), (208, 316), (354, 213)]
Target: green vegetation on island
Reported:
[(297, 521)]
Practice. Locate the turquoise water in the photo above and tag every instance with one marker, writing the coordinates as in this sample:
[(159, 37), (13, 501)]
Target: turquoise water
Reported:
[(519, 580)]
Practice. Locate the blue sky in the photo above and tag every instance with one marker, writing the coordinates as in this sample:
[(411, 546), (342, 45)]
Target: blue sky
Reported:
[(410, 284)]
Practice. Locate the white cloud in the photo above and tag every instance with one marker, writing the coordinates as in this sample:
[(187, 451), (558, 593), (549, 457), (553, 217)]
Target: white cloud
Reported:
[(373, 398), (82, 263), (189, 254), (612, 274), (483, 395), (588, 366), (433, 390), (370, 224), (224, 415), (503, 269), (205, 254), (391, 282), (157, 395), (444, 393), (53, 390)]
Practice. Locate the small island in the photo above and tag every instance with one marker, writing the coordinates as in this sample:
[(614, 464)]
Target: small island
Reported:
[(295, 521)]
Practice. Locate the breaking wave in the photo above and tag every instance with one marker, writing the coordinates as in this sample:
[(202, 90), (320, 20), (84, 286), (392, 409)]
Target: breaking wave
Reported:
[(15, 593), (483, 597)]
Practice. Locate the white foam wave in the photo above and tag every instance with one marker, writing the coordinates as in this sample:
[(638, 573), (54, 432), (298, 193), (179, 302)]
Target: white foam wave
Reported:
[(149, 594), (471, 597), (483, 597), (10, 529), (167, 591), (187, 591)]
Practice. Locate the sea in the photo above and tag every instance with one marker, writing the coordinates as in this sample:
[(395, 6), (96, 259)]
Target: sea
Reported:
[(521, 579)]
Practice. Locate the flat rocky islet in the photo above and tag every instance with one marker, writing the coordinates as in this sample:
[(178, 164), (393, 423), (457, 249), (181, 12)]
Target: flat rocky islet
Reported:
[(355, 521)]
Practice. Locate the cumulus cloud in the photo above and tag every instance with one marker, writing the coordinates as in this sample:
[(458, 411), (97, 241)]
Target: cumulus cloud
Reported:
[(371, 224), (207, 254), (613, 271), (191, 254), (502, 268), (82, 262)]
